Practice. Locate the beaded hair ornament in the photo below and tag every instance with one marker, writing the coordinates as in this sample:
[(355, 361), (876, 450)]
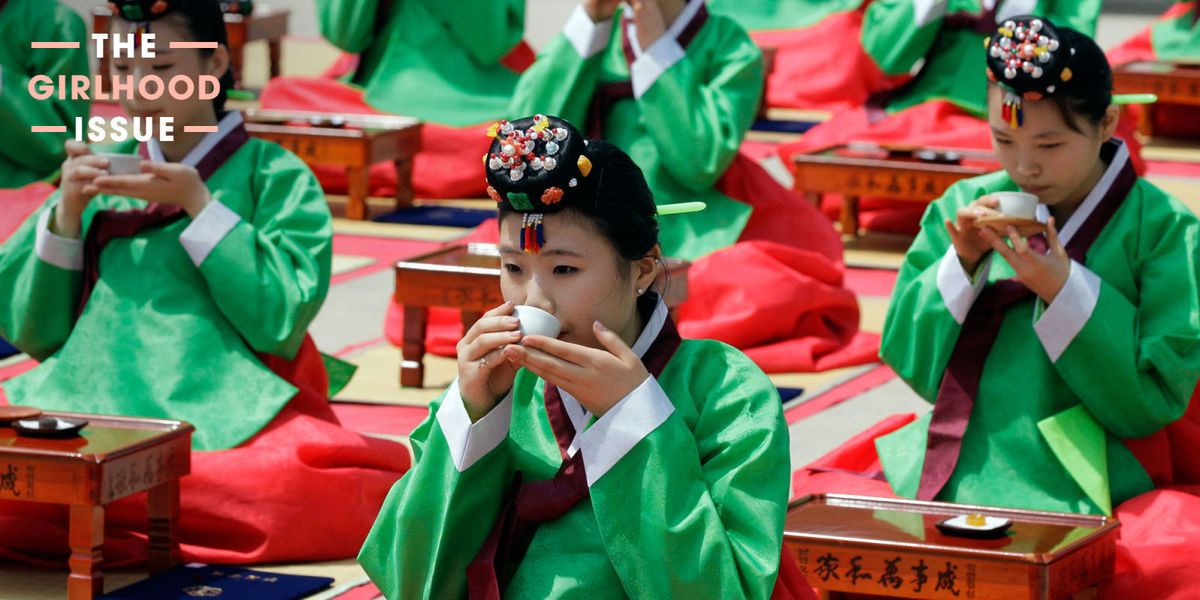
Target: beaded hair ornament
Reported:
[(1026, 59), (533, 167)]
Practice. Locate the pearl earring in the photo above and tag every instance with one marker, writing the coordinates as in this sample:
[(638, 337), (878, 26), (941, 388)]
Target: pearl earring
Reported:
[(641, 291)]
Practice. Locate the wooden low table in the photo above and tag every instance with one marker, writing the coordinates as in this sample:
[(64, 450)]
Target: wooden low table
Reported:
[(467, 278), (1173, 83), (892, 548), (114, 458), (863, 169), (264, 24), (360, 141)]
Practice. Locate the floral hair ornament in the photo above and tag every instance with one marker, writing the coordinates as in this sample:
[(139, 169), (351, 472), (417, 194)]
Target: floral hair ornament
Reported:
[(1026, 58), (534, 167)]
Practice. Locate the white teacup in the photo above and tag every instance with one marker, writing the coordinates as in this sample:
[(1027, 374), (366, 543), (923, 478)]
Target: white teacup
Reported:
[(535, 321), (123, 164), (1017, 204)]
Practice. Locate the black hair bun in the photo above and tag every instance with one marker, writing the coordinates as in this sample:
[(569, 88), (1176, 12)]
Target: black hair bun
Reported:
[(1027, 56), (536, 164)]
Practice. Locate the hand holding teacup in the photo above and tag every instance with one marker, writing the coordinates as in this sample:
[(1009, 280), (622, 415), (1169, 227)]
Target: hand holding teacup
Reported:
[(1016, 209)]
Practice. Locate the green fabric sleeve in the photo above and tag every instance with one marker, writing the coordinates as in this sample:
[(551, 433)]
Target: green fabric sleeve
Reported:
[(269, 275), (560, 82), (920, 332), (42, 152), (1080, 15), (435, 518), (1149, 350), (716, 104), (704, 494), (350, 25), (891, 37), (487, 29), (38, 307)]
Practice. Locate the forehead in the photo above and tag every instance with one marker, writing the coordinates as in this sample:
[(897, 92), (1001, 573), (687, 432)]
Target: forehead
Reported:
[(563, 231), (1042, 118)]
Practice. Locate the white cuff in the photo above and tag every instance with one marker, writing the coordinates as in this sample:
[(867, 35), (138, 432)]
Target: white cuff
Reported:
[(469, 441), (207, 230), (648, 67), (62, 252), (612, 436), (958, 291), (586, 36), (925, 11), (1070, 311)]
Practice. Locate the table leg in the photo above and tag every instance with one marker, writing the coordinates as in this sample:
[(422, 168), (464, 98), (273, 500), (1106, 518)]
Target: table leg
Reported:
[(275, 47), (1146, 121), (412, 371), (849, 215), (163, 502), (86, 535), (404, 185), (360, 187)]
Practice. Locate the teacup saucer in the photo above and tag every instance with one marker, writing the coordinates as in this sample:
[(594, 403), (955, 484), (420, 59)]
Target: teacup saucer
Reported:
[(47, 426)]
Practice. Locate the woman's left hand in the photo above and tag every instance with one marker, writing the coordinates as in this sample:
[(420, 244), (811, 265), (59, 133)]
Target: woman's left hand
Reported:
[(1044, 274), (166, 183), (598, 379)]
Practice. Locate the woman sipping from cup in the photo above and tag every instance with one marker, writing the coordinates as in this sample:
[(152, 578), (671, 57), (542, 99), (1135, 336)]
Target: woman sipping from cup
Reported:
[(613, 459)]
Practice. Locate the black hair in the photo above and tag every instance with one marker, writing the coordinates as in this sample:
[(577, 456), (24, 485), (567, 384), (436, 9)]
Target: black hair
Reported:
[(1089, 92), (205, 22), (621, 206)]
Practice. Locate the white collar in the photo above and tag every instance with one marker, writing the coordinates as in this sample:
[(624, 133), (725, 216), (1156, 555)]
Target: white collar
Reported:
[(578, 414), (672, 32), (1081, 214), (228, 123)]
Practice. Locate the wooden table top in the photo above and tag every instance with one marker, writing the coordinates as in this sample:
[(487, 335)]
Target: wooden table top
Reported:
[(103, 439), (903, 156), (1035, 537), (302, 119)]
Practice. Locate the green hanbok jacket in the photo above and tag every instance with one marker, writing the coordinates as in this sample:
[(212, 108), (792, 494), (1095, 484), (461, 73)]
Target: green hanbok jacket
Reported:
[(690, 107), (901, 35), (173, 323), (1177, 38), (26, 157), (435, 60), (1115, 356), (688, 482), (766, 15)]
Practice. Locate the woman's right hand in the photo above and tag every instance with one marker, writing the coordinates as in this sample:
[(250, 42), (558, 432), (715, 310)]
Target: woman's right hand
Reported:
[(600, 10), (78, 173), (484, 374), (964, 234)]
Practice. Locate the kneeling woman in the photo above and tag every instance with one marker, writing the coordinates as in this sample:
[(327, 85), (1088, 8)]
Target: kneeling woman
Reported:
[(185, 292), (614, 459)]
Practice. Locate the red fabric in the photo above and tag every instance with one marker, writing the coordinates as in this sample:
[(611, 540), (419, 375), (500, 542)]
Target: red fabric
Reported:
[(935, 123), (446, 167), (1140, 46), (17, 204), (791, 584), (243, 505), (1169, 456), (822, 67)]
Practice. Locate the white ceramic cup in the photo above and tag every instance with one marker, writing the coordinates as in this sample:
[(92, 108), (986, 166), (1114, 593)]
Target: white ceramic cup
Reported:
[(1017, 204), (123, 164), (535, 321)]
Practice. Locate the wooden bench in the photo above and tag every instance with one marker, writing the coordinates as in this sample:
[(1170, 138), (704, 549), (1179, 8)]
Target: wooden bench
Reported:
[(893, 549), (264, 24), (467, 278), (1173, 83), (354, 142), (897, 173), (114, 458)]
